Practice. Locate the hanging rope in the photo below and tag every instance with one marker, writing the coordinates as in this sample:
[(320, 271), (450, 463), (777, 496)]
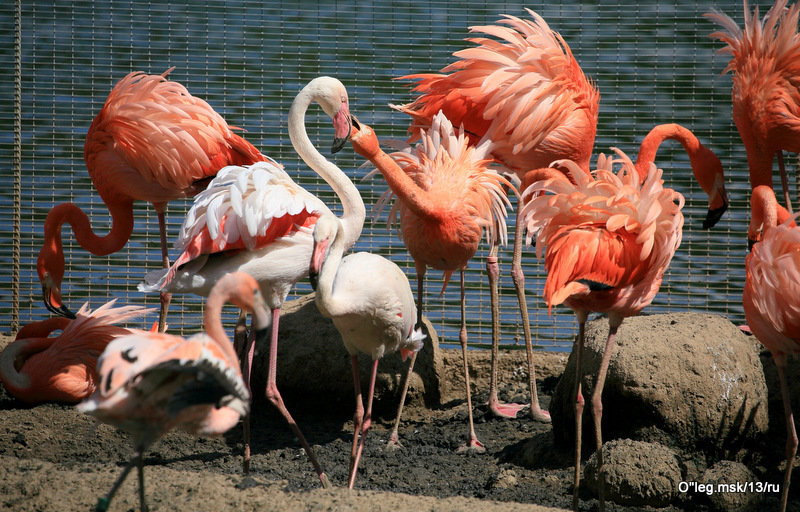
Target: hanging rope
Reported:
[(17, 166)]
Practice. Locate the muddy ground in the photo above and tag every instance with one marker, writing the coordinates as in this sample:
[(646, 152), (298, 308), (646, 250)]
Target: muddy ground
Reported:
[(54, 458)]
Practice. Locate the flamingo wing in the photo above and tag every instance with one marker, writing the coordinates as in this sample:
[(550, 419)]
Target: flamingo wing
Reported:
[(244, 208), (605, 233), (523, 90), (155, 126)]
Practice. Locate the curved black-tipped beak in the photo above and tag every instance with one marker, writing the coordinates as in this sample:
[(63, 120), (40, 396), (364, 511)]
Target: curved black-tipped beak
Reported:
[(354, 122), (313, 276), (61, 310), (713, 216), (339, 142), (750, 244)]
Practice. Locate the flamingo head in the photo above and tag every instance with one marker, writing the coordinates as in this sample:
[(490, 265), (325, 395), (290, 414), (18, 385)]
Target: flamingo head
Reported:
[(50, 267), (364, 140), (325, 231), (707, 169), (331, 95)]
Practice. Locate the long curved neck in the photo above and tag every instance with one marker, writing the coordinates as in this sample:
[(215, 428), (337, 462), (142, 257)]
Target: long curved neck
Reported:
[(326, 300), (660, 133), (51, 255), (212, 322), (366, 144), (354, 212)]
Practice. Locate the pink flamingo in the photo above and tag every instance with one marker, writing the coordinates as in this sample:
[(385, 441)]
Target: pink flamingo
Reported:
[(526, 95), (256, 219), (371, 304), (771, 301), (38, 368), (152, 141), (153, 382), (766, 86), (607, 242), (447, 197)]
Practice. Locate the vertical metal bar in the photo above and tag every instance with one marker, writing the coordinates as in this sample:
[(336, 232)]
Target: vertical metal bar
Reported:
[(17, 167)]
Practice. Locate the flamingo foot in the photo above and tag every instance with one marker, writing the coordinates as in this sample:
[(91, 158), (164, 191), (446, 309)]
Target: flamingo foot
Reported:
[(393, 444), (473, 446), (540, 415), (501, 410)]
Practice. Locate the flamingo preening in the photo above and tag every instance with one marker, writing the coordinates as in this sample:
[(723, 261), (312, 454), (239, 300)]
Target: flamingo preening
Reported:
[(771, 301), (152, 141), (370, 302), (765, 67), (607, 240), (151, 383), (523, 94), (37, 367), (446, 198), (257, 220)]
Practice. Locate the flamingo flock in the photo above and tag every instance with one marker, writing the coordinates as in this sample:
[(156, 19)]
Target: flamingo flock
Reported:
[(513, 117)]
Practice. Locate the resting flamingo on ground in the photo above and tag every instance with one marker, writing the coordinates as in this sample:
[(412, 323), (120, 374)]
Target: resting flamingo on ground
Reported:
[(152, 141), (607, 241), (525, 94), (37, 367), (256, 219), (765, 67), (446, 199), (771, 301), (151, 383), (371, 304)]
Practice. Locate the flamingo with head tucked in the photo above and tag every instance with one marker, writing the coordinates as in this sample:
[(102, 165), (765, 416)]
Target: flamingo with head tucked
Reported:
[(771, 301), (371, 304), (152, 141), (765, 67), (37, 367), (607, 241), (446, 198), (151, 383), (256, 219)]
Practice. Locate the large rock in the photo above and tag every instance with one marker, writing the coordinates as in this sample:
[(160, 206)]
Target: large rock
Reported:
[(688, 380), (313, 363), (636, 473)]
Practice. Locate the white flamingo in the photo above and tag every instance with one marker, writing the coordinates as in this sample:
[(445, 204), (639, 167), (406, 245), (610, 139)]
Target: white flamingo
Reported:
[(257, 220), (370, 302)]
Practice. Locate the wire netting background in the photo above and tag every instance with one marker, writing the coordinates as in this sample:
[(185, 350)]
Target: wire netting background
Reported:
[(653, 63)]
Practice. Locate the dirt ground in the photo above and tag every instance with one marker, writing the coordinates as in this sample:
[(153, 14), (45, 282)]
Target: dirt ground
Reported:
[(54, 458)]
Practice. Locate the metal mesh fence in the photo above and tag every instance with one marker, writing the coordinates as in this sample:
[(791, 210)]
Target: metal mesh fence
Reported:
[(653, 63)]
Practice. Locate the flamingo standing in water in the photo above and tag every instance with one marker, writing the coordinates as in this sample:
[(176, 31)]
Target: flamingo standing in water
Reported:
[(256, 219), (36, 367), (153, 382), (765, 63), (607, 242), (152, 141), (447, 197), (525, 94), (371, 304), (771, 301)]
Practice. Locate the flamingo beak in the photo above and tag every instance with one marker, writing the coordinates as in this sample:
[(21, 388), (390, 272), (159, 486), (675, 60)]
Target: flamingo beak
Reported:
[(52, 301), (317, 257), (341, 128), (713, 216)]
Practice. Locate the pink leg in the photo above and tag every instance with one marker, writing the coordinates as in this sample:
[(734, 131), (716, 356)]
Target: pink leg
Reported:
[(358, 417), (614, 322), (394, 443), (791, 432), (582, 316), (274, 396), (365, 424), (473, 444), (240, 343), (497, 408), (166, 297), (537, 413)]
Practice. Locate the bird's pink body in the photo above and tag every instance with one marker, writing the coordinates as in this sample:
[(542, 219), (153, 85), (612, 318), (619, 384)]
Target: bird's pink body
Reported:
[(36, 367)]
